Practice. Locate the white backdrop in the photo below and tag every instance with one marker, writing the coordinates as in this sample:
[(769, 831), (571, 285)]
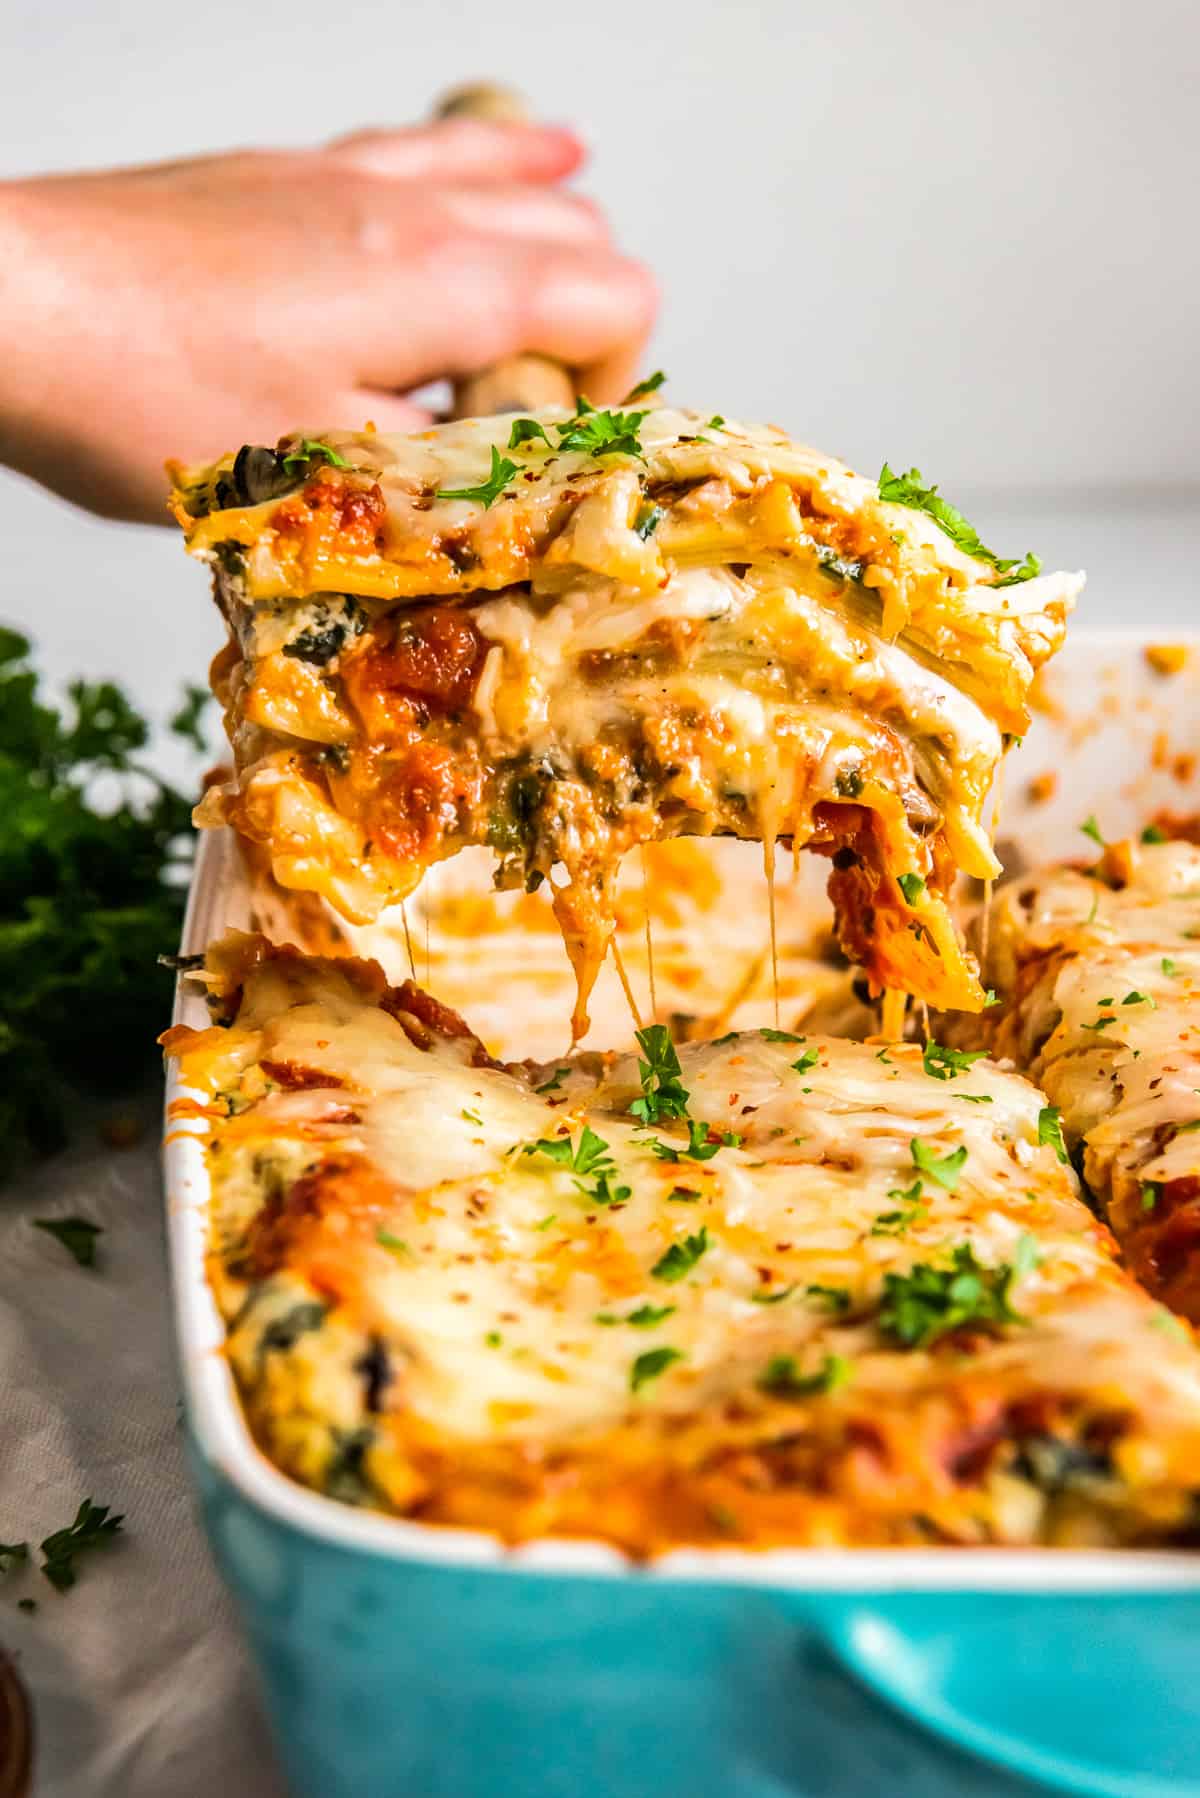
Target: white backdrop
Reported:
[(958, 234)]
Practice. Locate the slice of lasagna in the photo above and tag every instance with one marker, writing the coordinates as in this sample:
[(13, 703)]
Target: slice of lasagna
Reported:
[(1100, 972), (565, 635), (765, 1290)]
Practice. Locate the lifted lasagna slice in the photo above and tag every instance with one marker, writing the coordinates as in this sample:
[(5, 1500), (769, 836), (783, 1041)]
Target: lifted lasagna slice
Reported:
[(1100, 972), (766, 1290), (563, 636)]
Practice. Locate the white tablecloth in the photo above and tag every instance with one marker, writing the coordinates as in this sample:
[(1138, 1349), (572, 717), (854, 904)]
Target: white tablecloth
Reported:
[(141, 1685)]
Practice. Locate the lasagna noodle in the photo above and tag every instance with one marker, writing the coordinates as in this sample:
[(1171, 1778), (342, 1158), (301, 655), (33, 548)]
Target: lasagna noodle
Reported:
[(479, 1296), (1100, 972), (734, 635)]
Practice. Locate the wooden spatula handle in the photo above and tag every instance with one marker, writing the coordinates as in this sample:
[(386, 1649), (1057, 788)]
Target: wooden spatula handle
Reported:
[(519, 383)]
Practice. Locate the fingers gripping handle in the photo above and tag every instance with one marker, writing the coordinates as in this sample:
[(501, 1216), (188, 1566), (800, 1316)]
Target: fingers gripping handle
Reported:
[(519, 383)]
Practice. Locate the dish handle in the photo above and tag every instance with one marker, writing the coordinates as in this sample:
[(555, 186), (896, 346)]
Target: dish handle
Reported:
[(1090, 1693)]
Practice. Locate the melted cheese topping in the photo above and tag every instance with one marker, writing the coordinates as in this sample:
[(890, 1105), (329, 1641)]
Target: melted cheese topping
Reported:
[(619, 1319), (1103, 973)]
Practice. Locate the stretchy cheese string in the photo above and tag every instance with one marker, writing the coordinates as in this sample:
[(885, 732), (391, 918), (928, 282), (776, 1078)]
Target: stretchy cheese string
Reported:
[(428, 909), (891, 1014), (769, 870), (649, 937), (622, 976), (412, 966), (989, 884)]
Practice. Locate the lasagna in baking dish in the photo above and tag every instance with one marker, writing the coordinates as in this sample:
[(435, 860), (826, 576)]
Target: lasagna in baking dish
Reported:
[(763, 1290), (563, 635), (1100, 968)]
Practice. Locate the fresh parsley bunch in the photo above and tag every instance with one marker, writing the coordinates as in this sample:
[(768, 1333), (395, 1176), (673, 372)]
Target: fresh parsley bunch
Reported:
[(94, 850)]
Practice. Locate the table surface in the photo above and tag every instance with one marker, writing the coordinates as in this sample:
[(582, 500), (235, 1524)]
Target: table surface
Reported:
[(141, 1685)]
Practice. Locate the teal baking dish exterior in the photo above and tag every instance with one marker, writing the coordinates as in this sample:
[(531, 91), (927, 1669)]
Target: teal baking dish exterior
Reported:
[(402, 1661), (462, 1672)]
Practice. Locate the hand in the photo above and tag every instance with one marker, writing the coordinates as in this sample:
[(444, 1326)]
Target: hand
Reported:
[(184, 309)]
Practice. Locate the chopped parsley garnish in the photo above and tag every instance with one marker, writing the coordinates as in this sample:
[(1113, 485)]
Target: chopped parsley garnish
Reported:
[(700, 1146), (910, 490), (682, 1256), (527, 430), (780, 1036), (773, 1298), (1139, 999), (1169, 968), (493, 1339), (651, 384), (849, 782), (945, 1169), (93, 1527), (929, 1302), (76, 1235), (1153, 834), (590, 1159), (312, 450), (683, 1195), (882, 1055), (834, 1298), (488, 491), (1090, 828), (911, 1208), (806, 1062), (1050, 1131), (602, 433), (946, 1064), (1100, 1024), (650, 1365), (644, 1318), (555, 1081), (395, 1245), (783, 1378), (13, 1554), (1151, 1193), (471, 1117), (663, 1092), (912, 886)]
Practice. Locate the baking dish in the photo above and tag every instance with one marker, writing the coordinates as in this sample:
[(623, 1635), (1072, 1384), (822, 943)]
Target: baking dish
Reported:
[(402, 1659)]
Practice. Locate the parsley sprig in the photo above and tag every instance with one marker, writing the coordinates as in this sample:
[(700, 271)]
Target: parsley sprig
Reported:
[(489, 491), (782, 1377), (946, 1064), (910, 490), (76, 1235), (93, 879), (678, 1261), (945, 1169), (1049, 1130), (929, 1302), (703, 1143), (648, 1366), (311, 449), (94, 1527), (663, 1092), (590, 1159), (590, 430)]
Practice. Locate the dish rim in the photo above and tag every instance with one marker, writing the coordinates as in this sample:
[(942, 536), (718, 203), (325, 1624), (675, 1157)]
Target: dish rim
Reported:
[(220, 1431)]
